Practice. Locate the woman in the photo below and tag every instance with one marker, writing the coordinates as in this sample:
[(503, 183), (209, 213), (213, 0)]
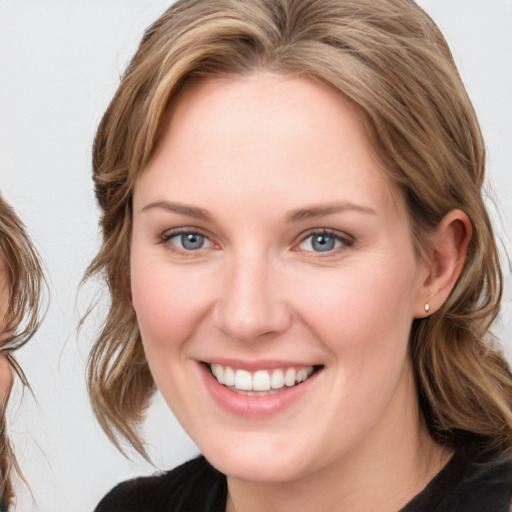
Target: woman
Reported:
[(21, 282), (300, 260)]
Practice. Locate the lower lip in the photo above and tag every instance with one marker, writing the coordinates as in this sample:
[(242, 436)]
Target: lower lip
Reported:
[(254, 406)]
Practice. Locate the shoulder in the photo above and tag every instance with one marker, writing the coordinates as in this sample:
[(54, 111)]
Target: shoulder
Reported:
[(195, 485), (472, 481)]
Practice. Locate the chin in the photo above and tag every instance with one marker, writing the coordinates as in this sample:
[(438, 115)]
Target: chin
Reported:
[(257, 461)]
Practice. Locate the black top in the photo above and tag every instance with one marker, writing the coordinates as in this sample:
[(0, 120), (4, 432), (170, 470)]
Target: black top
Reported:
[(468, 483)]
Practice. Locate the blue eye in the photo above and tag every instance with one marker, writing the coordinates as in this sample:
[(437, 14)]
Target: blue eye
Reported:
[(189, 241), (192, 241), (323, 242)]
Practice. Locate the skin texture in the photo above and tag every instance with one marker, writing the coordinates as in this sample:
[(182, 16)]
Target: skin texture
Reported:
[(250, 154)]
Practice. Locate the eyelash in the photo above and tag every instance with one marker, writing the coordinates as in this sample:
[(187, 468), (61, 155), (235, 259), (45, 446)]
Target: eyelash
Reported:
[(168, 235), (344, 240)]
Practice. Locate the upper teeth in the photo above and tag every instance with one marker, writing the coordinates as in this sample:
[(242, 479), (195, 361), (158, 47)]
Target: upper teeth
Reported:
[(261, 380)]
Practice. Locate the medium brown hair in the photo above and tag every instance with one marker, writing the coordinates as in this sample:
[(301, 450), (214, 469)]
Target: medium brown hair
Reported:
[(392, 63), (23, 276)]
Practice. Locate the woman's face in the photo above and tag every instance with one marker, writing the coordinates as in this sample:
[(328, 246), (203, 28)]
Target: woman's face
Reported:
[(268, 248)]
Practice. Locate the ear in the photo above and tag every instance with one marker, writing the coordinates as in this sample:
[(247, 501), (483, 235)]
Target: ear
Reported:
[(447, 254)]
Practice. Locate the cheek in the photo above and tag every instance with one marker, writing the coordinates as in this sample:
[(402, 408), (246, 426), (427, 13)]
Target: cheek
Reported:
[(364, 320), (364, 311), (168, 301)]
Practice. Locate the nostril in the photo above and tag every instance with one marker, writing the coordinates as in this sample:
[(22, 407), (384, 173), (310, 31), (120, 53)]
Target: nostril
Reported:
[(251, 325)]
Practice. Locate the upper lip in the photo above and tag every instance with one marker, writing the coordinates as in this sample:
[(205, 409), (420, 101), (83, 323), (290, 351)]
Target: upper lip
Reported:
[(261, 364)]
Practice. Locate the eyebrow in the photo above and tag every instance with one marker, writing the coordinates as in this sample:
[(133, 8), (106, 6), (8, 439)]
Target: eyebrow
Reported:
[(314, 212), (181, 209)]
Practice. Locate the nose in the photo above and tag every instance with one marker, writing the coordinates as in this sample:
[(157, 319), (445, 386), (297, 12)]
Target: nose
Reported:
[(250, 305)]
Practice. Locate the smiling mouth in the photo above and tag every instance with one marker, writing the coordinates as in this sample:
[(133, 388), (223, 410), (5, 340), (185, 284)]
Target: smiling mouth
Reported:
[(261, 382)]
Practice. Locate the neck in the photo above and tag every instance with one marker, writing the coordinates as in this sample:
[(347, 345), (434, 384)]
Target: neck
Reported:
[(394, 464)]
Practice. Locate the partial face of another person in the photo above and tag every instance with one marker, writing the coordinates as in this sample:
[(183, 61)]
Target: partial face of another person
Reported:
[(5, 369), (274, 279)]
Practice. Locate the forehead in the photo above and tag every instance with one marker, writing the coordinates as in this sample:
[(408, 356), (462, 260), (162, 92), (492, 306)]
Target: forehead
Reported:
[(269, 131), (264, 106)]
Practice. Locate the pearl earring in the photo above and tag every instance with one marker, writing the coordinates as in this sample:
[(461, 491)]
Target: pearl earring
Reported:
[(427, 307)]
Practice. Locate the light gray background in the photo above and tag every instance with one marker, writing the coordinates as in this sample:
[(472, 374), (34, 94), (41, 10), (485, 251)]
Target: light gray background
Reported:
[(60, 62)]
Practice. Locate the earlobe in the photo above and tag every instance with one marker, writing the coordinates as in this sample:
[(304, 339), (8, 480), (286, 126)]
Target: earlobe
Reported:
[(447, 255)]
